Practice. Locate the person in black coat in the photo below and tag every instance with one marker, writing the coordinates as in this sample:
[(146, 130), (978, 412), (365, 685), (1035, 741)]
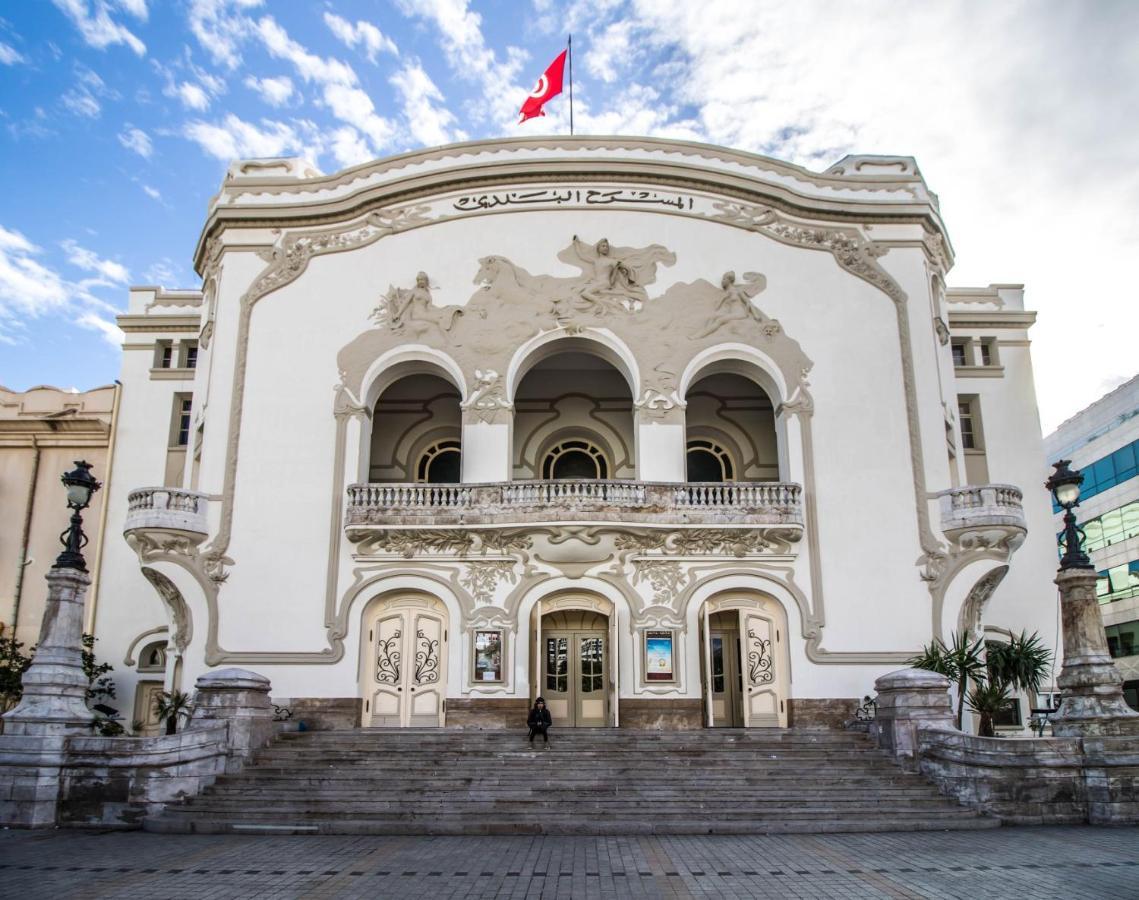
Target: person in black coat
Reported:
[(540, 721)]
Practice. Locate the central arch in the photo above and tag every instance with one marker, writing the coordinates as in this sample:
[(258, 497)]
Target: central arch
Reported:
[(573, 658)]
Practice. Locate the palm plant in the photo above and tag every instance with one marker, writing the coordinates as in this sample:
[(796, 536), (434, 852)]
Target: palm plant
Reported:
[(987, 699), (1022, 663), (961, 662), (170, 706)]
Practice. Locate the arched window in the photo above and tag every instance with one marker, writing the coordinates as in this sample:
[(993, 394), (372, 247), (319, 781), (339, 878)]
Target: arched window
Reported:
[(708, 461), (575, 459), (153, 657), (440, 464)]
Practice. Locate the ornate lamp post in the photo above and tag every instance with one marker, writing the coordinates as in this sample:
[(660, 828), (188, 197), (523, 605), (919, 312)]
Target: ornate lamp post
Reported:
[(1091, 688), (80, 487), (54, 701)]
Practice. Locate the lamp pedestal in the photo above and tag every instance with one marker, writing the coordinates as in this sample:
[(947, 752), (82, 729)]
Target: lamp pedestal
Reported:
[(54, 701), (1092, 690)]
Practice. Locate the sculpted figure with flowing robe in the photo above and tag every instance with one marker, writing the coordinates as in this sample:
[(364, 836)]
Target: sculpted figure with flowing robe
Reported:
[(615, 276)]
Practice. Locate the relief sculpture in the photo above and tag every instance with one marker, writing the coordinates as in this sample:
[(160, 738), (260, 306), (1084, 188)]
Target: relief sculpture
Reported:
[(510, 305)]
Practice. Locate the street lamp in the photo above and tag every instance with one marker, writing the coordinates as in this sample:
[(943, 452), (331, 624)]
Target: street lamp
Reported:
[(1064, 484), (80, 486)]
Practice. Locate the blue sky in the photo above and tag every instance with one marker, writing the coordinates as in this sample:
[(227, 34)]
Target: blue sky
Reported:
[(118, 117)]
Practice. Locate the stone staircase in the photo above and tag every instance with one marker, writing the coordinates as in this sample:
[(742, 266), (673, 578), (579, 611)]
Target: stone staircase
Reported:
[(590, 781)]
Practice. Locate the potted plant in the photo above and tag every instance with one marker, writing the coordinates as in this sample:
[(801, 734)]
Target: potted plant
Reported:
[(170, 706)]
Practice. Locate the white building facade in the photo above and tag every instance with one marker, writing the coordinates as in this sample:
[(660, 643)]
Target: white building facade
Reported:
[(1103, 442), (671, 435)]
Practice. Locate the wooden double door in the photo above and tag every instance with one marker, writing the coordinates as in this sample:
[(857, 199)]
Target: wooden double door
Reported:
[(405, 666), (743, 677), (574, 680)]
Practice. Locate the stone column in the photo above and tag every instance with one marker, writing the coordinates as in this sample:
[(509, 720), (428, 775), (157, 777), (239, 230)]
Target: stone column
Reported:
[(54, 701), (240, 699), (1092, 690), (910, 699)]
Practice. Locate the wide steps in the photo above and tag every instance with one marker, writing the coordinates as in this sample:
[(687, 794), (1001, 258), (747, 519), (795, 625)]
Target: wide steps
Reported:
[(604, 781)]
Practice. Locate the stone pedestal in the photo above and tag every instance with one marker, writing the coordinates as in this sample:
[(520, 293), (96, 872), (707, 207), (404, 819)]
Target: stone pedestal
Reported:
[(239, 698), (1092, 690), (910, 699), (54, 701)]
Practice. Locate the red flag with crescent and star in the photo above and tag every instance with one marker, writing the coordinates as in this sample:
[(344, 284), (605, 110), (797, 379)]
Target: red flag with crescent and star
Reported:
[(548, 87)]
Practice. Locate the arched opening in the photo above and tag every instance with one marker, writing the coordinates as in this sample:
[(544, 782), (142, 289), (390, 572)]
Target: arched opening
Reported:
[(573, 419), (730, 430), (744, 662), (403, 661), (574, 667), (417, 432), (152, 669)]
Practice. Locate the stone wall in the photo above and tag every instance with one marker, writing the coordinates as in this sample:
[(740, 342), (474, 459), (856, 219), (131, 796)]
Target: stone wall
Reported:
[(492, 713), (320, 713), (803, 712), (661, 715)]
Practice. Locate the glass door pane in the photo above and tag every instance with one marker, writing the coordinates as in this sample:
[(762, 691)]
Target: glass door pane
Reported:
[(592, 650)]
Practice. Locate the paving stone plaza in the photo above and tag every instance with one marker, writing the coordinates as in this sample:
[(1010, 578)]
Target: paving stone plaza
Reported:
[(1046, 862)]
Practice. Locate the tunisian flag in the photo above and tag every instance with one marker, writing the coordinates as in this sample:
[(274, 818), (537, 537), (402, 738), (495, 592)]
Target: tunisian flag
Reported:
[(548, 87)]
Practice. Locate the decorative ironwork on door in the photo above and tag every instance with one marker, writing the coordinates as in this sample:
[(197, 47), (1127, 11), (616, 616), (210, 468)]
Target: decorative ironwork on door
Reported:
[(388, 658), (759, 659), (426, 659)]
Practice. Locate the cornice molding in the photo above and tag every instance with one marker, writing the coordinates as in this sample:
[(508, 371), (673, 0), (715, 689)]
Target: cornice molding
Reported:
[(991, 319), (407, 179)]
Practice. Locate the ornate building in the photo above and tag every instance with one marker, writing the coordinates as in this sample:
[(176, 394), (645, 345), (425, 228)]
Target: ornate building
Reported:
[(669, 434)]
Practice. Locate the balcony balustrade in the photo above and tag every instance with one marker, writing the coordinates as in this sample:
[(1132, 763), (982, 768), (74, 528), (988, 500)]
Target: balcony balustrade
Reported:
[(572, 501), (167, 509), (983, 514)]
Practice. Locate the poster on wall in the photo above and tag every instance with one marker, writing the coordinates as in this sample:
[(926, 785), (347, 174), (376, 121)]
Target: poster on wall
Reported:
[(488, 656), (658, 656)]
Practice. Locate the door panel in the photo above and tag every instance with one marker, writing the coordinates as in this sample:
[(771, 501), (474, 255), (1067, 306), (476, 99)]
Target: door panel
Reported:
[(556, 687), (725, 679), (762, 704), (591, 679), (387, 662), (426, 684)]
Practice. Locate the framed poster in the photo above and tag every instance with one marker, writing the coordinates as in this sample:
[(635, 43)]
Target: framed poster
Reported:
[(659, 656), (488, 655)]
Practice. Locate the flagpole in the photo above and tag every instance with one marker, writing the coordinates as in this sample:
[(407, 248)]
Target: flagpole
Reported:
[(571, 82)]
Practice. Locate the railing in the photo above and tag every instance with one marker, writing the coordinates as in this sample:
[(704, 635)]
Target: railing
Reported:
[(560, 492), (168, 509), (980, 506), (733, 495), (410, 496), (560, 500)]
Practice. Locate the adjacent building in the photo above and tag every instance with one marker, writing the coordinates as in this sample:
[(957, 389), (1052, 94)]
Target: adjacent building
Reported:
[(1103, 441), (43, 431), (672, 435)]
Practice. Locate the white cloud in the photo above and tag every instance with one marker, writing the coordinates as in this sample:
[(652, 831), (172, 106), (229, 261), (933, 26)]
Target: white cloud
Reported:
[(192, 96), (161, 273), (339, 85), (89, 261), (367, 35), (234, 138), (221, 28), (83, 99), (82, 104), (98, 29), (152, 192), (310, 66), (611, 52), (349, 148), (111, 332), (274, 91), (9, 55), (469, 56), (137, 140), (429, 124)]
